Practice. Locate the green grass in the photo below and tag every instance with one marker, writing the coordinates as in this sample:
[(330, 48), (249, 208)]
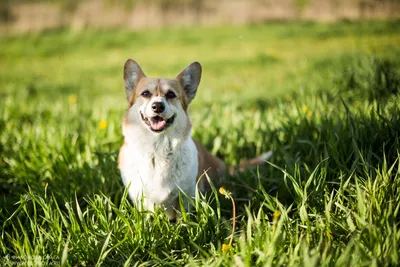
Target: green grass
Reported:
[(323, 97)]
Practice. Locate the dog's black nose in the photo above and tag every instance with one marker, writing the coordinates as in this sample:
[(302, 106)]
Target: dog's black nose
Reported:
[(158, 107)]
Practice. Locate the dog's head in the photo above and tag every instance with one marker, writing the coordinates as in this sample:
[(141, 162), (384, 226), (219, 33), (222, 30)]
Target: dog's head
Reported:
[(159, 104)]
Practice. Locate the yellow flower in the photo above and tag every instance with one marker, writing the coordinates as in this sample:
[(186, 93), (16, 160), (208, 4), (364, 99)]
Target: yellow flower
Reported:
[(103, 125), (226, 247), (227, 194), (72, 99), (277, 214), (222, 191), (307, 111)]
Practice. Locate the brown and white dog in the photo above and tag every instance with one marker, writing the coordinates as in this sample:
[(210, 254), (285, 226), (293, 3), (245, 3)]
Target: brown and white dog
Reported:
[(159, 157)]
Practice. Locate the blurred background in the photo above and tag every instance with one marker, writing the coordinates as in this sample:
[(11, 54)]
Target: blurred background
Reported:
[(36, 15)]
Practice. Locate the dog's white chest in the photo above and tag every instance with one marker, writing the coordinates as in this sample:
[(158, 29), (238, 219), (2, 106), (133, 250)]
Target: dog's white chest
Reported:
[(158, 171)]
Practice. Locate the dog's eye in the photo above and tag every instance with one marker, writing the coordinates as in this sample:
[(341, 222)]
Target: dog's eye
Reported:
[(170, 95), (146, 94)]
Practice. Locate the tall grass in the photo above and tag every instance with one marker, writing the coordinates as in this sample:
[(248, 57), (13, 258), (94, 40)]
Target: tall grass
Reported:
[(329, 195)]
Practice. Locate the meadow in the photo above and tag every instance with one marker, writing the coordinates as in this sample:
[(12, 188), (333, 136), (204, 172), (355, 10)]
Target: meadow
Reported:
[(323, 97)]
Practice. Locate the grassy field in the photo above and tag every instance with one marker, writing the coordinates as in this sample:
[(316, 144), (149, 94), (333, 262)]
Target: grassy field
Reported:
[(323, 97)]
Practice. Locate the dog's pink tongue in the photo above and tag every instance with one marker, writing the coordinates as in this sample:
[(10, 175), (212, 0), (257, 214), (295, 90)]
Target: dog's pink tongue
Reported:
[(157, 123)]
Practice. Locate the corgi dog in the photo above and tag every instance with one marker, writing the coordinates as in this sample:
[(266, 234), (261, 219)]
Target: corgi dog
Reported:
[(159, 158)]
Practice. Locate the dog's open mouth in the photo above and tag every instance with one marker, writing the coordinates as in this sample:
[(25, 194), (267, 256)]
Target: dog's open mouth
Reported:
[(157, 123)]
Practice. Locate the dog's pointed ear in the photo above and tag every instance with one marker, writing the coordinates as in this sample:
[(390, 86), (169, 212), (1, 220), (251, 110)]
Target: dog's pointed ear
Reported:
[(190, 79), (132, 75)]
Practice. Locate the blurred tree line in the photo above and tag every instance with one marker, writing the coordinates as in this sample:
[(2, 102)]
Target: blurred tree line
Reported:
[(6, 10), (70, 6), (197, 6)]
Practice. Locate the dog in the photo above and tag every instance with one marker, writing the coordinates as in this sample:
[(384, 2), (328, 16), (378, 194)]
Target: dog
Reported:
[(159, 158)]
